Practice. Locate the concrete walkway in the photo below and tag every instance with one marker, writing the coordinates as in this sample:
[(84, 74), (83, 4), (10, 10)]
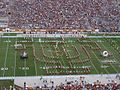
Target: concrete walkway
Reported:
[(41, 35), (39, 80)]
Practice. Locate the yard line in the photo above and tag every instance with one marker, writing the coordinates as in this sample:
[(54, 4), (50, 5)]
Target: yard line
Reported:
[(62, 57), (62, 60), (71, 63), (43, 57), (69, 56), (118, 46), (25, 67), (45, 64), (15, 60), (35, 67), (34, 59), (94, 66), (99, 61), (79, 56), (6, 57), (113, 56), (59, 56), (116, 51), (52, 56), (78, 53)]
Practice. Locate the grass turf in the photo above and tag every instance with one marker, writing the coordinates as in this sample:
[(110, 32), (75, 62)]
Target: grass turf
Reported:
[(59, 56), (6, 84)]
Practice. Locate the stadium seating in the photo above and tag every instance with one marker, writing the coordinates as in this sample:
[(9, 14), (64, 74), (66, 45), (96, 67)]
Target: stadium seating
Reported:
[(82, 86), (71, 14)]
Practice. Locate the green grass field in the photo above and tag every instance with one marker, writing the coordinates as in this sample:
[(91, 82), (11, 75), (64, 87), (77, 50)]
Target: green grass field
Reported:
[(59, 56), (6, 84)]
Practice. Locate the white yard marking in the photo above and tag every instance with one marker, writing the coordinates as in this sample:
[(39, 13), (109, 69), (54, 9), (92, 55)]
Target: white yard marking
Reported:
[(35, 60), (35, 68), (43, 57), (78, 53), (4, 69), (79, 56), (113, 56), (62, 60), (117, 52), (25, 67), (52, 56), (6, 57), (99, 61), (15, 61)]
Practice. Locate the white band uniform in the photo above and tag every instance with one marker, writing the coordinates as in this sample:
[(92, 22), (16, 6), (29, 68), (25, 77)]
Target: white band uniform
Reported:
[(105, 53)]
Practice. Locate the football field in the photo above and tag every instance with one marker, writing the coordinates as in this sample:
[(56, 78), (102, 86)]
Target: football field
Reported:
[(59, 56)]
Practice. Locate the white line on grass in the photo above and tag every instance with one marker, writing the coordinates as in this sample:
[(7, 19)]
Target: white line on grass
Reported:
[(43, 57), (15, 60), (67, 53), (78, 53), (99, 61), (6, 57), (35, 67), (115, 50), (94, 66), (62, 60), (113, 56), (25, 67), (34, 59), (52, 56)]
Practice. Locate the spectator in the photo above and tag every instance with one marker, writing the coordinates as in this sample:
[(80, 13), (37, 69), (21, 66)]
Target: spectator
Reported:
[(61, 14)]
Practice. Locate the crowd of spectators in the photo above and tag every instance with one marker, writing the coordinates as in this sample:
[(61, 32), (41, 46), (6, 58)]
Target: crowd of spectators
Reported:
[(80, 84), (87, 86), (3, 8), (83, 85), (60, 14), (71, 14)]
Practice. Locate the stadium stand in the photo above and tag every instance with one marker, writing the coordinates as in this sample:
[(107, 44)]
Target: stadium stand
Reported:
[(103, 15), (3, 8), (83, 85), (71, 14), (109, 86), (87, 86)]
